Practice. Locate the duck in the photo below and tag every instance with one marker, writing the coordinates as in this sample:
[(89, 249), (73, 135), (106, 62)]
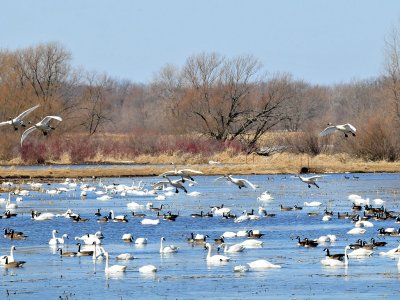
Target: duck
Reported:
[(215, 258), (167, 249), (113, 268), (262, 264)]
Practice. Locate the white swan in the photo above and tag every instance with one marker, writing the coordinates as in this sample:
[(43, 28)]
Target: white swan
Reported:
[(332, 262), (309, 180), (141, 241), (127, 237), (53, 240), (235, 248), (229, 234), (251, 243), (43, 125), (9, 258), (124, 256), (167, 249), (265, 196), (114, 268), (42, 216), (356, 230), (150, 222), (360, 252), (177, 184), (9, 204), (148, 269), (240, 182), (312, 204), (345, 128), (215, 258), (17, 121), (262, 264)]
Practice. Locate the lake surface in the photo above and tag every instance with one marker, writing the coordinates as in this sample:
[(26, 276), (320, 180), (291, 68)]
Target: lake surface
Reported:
[(186, 274)]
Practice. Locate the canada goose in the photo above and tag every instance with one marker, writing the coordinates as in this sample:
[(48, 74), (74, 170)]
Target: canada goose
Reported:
[(78, 219), (297, 207), (358, 244), (310, 243), (282, 208), (67, 254), (338, 256), (12, 234), (219, 240), (345, 128), (309, 180), (98, 214), (14, 264), (228, 216), (339, 216), (43, 125), (333, 262), (104, 219), (16, 236), (240, 182), (267, 215), (156, 208), (200, 215), (136, 215), (356, 207), (254, 234), (114, 268), (167, 249), (18, 120), (83, 253), (215, 258), (198, 239), (262, 264)]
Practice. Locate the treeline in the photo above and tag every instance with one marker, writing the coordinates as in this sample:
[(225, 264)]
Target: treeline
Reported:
[(210, 104)]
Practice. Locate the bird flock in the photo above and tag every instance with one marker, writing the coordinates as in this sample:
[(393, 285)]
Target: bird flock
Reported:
[(44, 125)]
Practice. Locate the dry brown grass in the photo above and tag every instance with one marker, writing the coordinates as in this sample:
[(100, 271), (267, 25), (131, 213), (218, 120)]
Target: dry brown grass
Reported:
[(231, 163)]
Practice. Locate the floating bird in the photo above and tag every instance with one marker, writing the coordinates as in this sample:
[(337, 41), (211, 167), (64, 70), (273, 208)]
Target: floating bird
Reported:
[(262, 264), (240, 182), (114, 268), (148, 269), (167, 249), (17, 121), (331, 261), (43, 125), (215, 258), (345, 128)]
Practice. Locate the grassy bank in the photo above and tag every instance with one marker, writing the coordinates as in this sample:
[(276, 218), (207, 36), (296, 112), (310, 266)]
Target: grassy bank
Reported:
[(229, 164)]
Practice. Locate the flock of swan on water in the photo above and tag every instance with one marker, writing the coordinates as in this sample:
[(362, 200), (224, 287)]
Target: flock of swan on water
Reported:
[(92, 243)]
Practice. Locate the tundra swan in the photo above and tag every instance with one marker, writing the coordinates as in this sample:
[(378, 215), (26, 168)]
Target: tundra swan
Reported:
[(167, 249), (215, 258), (113, 268), (10, 257), (262, 264), (43, 125), (18, 120), (240, 182), (232, 249), (309, 180), (147, 269), (345, 128), (183, 173)]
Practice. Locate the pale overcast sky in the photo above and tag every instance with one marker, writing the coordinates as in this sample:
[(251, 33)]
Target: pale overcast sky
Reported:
[(322, 42)]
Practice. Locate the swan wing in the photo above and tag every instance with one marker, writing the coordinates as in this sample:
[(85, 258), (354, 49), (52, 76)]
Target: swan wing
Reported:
[(328, 130), (168, 173), (26, 133), (28, 111), (190, 171), (350, 127), (48, 118), (249, 183), (5, 123), (314, 177), (221, 177)]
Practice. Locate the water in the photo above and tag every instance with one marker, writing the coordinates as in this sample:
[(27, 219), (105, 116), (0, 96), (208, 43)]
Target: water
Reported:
[(186, 274)]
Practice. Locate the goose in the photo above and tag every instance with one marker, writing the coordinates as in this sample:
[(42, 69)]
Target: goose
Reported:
[(151, 207), (345, 128), (170, 216), (267, 215), (287, 208), (15, 236), (98, 214), (18, 120), (138, 215), (378, 243), (12, 234), (200, 215), (309, 180), (262, 264), (118, 218), (167, 249), (10, 257), (232, 249), (215, 258), (198, 239), (43, 125), (219, 240), (124, 256), (240, 182), (83, 253), (254, 234), (67, 254), (338, 256), (333, 262), (113, 268), (104, 219), (14, 264), (148, 269)]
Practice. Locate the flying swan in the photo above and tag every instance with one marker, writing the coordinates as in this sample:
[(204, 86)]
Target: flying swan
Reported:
[(43, 125)]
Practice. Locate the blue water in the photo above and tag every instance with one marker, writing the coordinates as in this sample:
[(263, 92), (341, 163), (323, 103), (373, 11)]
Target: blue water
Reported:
[(186, 274)]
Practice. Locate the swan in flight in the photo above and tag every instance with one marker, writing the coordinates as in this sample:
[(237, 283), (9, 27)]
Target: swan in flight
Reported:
[(177, 184), (183, 173), (17, 121), (43, 125), (309, 180), (345, 128), (240, 182)]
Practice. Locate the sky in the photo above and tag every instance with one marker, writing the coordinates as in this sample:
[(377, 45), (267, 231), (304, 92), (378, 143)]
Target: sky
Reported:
[(321, 42)]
